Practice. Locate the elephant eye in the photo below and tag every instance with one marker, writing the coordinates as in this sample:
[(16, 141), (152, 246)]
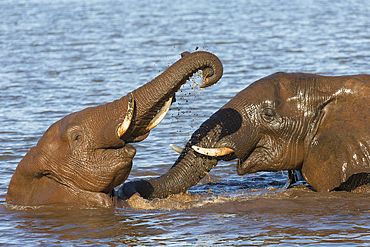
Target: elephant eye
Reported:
[(269, 114), (77, 137)]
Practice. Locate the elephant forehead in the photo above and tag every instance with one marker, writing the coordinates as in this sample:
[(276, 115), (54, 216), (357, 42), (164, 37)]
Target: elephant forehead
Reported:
[(74, 120), (60, 129), (51, 142)]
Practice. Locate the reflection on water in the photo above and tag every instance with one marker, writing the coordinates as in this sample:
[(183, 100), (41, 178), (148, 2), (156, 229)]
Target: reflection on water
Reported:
[(66, 55)]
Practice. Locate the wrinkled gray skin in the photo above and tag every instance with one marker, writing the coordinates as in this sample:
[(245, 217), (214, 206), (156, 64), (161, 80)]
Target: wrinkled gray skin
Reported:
[(83, 156), (314, 124)]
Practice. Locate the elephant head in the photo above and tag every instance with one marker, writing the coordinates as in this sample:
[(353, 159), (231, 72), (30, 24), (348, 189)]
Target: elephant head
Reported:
[(310, 123), (82, 157)]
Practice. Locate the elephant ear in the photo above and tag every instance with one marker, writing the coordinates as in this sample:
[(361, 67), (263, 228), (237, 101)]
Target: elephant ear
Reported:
[(339, 152)]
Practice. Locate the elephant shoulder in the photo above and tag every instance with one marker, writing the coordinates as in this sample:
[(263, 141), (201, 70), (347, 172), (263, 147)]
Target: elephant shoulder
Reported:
[(340, 147)]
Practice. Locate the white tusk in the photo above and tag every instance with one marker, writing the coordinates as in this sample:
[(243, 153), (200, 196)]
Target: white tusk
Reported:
[(215, 152), (176, 148), (159, 117), (130, 112)]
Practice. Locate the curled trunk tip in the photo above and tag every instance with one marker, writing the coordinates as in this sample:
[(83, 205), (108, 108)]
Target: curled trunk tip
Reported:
[(210, 65), (212, 71)]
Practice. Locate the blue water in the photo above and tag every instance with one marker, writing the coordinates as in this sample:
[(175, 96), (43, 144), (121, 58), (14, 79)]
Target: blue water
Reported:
[(62, 56)]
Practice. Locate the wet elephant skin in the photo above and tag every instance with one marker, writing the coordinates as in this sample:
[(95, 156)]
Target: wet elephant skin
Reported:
[(317, 125), (82, 157)]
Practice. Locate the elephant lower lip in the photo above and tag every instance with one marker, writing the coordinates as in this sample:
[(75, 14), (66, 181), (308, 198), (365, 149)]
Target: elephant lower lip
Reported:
[(138, 138)]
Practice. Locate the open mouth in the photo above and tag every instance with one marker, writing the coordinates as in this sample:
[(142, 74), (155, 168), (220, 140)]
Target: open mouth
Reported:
[(122, 129)]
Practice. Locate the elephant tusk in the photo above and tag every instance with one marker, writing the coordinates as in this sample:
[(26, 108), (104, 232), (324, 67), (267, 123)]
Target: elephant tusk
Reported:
[(159, 117), (215, 152), (127, 121), (176, 148)]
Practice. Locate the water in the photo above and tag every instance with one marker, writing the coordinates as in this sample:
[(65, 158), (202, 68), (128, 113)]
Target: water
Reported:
[(63, 56)]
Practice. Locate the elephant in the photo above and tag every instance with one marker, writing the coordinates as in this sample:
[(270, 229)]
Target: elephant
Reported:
[(81, 158), (313, 124)]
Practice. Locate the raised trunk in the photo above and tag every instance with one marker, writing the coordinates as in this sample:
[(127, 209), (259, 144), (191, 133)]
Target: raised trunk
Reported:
[(151, 97)]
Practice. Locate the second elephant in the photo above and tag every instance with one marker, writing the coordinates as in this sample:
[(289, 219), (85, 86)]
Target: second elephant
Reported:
[(310, 123)]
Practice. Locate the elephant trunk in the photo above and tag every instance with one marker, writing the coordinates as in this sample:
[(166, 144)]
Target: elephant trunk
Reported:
[(151, 97), (132, 117), (191, 166), (186, 172)]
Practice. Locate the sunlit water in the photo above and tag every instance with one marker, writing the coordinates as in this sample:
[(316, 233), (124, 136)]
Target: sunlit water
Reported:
[(59, 56)]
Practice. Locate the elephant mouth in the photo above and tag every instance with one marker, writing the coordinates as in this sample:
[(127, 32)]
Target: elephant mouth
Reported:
[(144, 131), (122, 129)]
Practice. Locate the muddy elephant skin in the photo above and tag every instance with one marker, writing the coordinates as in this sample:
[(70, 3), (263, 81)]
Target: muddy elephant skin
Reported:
[(314, 124), (82, 157)]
